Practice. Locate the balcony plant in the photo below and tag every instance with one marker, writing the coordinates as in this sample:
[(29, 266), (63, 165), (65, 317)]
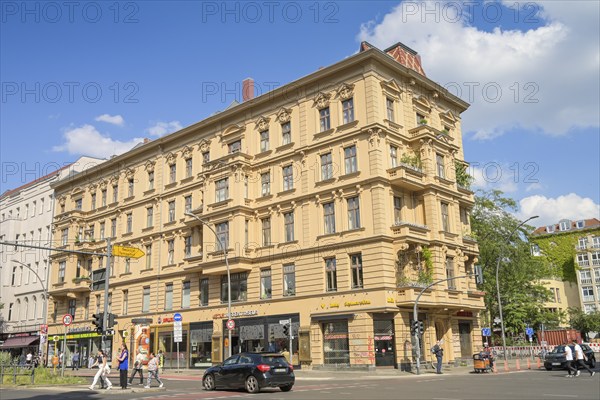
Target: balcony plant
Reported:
[(81, 279), (423, 121), (463, 179), (412, 160)]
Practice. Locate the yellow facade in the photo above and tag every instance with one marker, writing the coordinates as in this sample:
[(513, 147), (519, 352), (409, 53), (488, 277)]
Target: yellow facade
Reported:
[(372, 199)]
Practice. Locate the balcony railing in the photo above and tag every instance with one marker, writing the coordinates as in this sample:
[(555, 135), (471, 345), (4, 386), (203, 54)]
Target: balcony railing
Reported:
[(588, 299), (586, 281)]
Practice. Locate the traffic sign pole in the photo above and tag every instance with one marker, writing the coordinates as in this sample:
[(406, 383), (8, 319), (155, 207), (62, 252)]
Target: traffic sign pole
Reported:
[(177, 333)]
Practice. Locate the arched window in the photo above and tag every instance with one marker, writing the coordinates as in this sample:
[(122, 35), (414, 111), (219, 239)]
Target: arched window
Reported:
[(26, 313), (17, 313), (34, 313)]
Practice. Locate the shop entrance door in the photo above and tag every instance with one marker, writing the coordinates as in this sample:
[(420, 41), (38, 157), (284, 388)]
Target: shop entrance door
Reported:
[(464, 329), (385, 353)]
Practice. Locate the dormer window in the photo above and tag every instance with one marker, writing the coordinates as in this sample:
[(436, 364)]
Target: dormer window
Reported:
[(565, 225), (580, 224), (550, 228)]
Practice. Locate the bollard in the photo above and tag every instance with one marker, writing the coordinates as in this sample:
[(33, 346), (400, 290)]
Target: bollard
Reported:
[(539, 364), (32, 375), (15, 375), (506, 366), (518, 365), (528, 363), (495, 369)]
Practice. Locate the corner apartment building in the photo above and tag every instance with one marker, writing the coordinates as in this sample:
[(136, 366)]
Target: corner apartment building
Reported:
[(582, 239), (26, 215), (336, 198)]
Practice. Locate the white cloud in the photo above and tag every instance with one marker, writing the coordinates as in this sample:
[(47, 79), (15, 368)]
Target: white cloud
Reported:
[(493, 176), (111, 119), (550, 63), (164, 128), (86, 140), (551, 210)]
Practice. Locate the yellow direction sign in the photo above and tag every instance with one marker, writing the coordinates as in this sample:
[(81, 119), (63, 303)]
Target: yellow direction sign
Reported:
[(128, 252)]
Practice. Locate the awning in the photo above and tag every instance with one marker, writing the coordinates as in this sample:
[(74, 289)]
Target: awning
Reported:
[(331, 317), (20, 341)]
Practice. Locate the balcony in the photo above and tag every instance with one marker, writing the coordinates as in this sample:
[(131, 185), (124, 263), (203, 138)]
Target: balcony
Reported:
[(588, 299), (427, 132), (409, 229), (408, 176)]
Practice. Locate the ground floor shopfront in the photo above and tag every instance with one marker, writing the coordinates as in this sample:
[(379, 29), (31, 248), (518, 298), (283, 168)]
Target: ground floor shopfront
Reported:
[(352, 331), (85, 342)]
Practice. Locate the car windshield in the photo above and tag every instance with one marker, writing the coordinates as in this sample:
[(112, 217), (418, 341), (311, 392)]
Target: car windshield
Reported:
[(558, 349)]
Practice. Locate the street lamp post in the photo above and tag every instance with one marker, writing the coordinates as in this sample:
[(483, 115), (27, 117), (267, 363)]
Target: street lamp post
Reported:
[(224, 248), (498, 285), (45, 305)]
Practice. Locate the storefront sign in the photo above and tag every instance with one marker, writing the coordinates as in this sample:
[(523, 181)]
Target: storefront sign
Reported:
[(167, 319), (357, 303), (236, 314), (79, 329), (387, 337)]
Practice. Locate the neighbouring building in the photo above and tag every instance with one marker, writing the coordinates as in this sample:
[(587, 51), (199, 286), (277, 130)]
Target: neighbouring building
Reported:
[(337, 198), (574, 248), (26, 218)]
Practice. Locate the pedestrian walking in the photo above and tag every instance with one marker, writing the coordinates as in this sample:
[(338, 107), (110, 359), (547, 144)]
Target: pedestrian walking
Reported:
[(29, 359), (153, 371), (61, 359), (123, 359), (75, 361), (569, 357), (91, 361), (103, 371), (581, 359), (137, 367), (439, 355)]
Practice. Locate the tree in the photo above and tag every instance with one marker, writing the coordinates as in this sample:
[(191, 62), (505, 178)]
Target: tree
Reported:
[(584, 322), (522, 295)]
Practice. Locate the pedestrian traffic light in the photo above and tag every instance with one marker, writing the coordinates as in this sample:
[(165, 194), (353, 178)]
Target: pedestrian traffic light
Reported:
[(421, 327), (111, 320), (286, 330), (478, 275), (98, 322), (412, 328)]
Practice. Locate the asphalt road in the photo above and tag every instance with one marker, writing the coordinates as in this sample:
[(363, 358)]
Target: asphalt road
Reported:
[(536, 384)]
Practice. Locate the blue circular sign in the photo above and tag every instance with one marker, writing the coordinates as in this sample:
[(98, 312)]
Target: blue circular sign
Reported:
[(529, 331), (177, 317)]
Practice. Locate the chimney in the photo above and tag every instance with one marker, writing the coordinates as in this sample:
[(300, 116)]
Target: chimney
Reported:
[(146, 140), (248, 89)]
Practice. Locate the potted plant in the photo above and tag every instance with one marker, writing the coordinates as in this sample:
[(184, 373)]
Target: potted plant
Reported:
[(423, 121)]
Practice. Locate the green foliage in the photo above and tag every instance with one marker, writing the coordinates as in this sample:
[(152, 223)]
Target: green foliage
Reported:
[(42, 376), (519, 272), (584, 322), (426, 274), (462, 176), (558, 251), (412, 159)]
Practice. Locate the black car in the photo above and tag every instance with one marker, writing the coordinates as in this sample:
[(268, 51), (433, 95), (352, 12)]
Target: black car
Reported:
[(251, 371), (557, 359)]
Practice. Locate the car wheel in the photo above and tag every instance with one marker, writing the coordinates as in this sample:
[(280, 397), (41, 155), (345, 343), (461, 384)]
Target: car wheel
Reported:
[(209, 382), (252, 384), (286, 388), (548, 368), (593, 362)]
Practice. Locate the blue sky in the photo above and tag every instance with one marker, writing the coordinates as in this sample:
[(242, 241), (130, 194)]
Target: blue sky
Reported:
[(96, 78)]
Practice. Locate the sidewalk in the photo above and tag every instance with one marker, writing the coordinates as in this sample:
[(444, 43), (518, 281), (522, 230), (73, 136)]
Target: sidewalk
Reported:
[(426, 368)]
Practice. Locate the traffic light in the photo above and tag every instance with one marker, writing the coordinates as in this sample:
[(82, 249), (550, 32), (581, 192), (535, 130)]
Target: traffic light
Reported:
[(111, 320), (478, 275), (416, 327), (286, 330), (421, 327), (98, 322)]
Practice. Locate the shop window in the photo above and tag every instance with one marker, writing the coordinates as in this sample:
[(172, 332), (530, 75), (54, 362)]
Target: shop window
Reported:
[(336, 348)]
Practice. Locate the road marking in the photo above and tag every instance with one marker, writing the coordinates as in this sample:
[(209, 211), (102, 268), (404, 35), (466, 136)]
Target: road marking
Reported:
[(444, 398), (561, 395)]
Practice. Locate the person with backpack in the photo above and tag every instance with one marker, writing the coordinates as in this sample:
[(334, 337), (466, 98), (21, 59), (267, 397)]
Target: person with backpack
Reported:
[(439, 355)]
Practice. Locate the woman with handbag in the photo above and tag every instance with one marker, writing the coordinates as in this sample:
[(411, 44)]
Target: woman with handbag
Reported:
[(103, 370)]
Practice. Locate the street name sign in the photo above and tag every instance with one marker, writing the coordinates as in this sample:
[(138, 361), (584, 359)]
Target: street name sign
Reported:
[(127, 252)]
